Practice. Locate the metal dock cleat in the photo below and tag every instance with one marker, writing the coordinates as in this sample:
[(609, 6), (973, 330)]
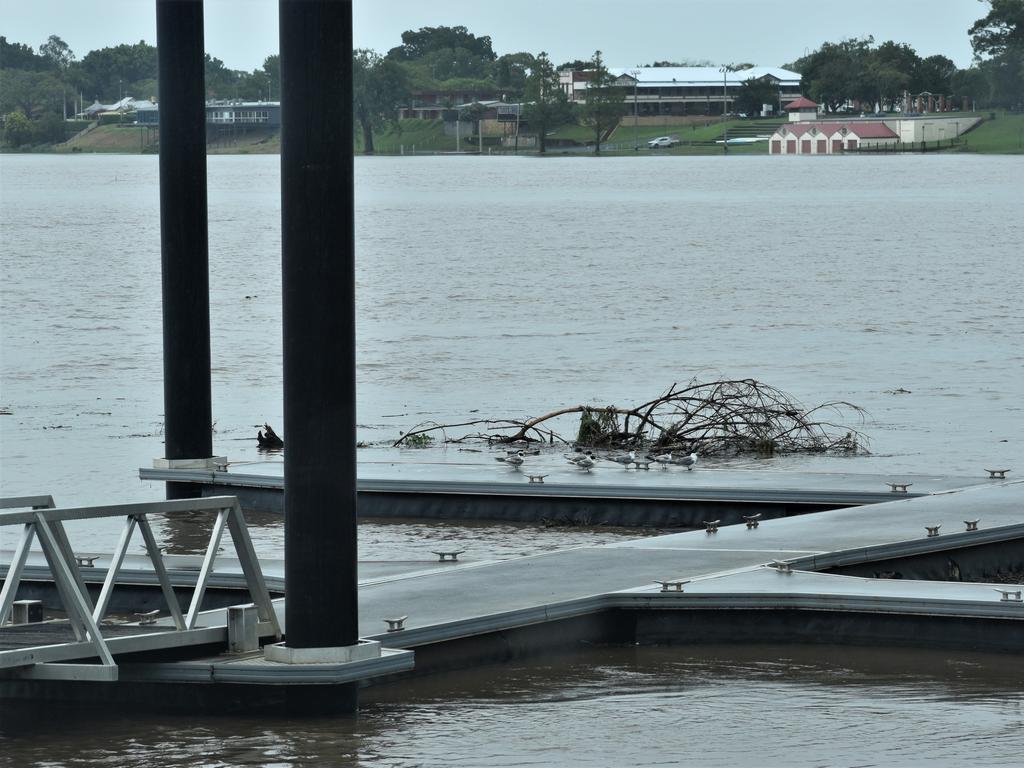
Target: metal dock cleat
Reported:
[(972, 525), (86, 561), (781, 566), (449, 556), (899, 487), (396, 624), (536, 478), (672, 586), (933, 530), (997, 474), (149, 617), (1010, 595), (752, 520), (712, 525)]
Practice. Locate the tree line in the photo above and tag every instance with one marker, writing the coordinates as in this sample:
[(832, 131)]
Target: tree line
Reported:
[(39, 88)]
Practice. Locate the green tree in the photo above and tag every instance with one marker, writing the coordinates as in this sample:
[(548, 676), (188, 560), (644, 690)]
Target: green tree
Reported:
[(511, 72), (547, 105), (1001, 30), (753, 93), (837, 73), (576, 65), (605, 102), (892, 68), (416, 45), (20, 56), (17, 129), (935, 75), (57, 52), (998, 42), (62, 58), (379, 86), (29, 92), (221, 82), (107, 73)]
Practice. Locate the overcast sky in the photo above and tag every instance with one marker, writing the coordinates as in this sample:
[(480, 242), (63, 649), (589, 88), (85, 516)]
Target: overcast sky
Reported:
[(242, 33)]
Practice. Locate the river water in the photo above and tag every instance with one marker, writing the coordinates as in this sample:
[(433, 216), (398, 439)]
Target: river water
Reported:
[(509, 287)]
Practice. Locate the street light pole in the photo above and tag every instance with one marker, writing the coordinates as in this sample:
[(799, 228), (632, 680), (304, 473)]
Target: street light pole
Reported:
[(636, 108), (725, 88)]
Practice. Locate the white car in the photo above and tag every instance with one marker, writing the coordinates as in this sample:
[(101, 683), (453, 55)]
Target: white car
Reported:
[(661, 141)]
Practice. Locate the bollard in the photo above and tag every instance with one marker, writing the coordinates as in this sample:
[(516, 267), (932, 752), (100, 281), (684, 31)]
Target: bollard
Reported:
[(449, 556), (972, 525), (752, 520), (243, 628), (672, 586), (397, 624), (933, 530), (27, 611), (899, 487), (997, 474), (711, 526)]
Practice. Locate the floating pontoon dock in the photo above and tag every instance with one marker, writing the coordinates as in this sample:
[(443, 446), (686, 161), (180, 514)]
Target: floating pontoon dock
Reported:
[(607, 495), (929, 573)]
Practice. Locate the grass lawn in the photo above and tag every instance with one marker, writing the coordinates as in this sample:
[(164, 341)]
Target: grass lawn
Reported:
[(1004, 135), (697, 137), (423, 135)]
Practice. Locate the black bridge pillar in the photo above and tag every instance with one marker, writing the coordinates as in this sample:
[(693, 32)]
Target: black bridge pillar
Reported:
[(318, 294), (188, 432)]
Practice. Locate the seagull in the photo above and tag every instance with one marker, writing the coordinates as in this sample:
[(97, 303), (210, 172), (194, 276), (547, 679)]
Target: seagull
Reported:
[(578, 459), (515, 459), (625, 459), (663, 458), (688, 461), (587, 462)]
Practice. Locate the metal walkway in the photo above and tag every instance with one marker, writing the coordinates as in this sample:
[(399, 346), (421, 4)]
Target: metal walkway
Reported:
[(41, 651)]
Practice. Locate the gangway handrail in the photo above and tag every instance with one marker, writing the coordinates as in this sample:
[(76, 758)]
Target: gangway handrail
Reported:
[(40, 519)]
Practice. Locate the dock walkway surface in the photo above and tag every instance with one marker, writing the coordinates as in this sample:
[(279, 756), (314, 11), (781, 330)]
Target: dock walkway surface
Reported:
[(773, 568), (488, 490)]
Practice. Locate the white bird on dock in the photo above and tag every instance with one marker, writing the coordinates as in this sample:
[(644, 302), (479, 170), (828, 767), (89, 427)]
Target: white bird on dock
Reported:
[(587, 462), (625, 459), (688, 461), (515, 459), (662, 458), (576, 458)]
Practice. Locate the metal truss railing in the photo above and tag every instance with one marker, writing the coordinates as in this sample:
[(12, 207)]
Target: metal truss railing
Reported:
[(40, 520)]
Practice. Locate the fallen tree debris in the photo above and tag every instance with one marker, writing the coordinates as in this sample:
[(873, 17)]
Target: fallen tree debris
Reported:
[(716, 418)]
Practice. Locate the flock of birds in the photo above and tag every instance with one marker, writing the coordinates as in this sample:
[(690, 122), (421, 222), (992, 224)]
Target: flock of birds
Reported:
[(587, 460)]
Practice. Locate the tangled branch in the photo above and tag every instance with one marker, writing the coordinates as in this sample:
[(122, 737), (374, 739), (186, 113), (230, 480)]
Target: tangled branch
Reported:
[(718, 418)]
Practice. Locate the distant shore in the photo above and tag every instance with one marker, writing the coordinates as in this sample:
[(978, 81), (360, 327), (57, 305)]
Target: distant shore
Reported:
[(1003, 134)]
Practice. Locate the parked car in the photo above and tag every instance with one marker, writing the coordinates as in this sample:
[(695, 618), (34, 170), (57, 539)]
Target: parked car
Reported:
[(661, 141)]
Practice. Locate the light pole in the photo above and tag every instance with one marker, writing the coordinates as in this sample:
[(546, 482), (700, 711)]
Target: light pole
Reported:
[(636, 108), (725, 70)]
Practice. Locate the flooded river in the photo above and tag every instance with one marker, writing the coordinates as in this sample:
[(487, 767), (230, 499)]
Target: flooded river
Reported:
[(510, 287)]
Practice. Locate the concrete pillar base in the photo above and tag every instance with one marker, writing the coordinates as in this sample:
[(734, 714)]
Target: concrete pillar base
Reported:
[(362, 651)]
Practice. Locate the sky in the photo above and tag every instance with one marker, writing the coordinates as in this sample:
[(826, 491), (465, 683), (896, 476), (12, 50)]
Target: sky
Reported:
[(242, 33)]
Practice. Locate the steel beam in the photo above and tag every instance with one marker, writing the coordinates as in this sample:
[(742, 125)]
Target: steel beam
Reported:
[(188, 417), (318, 294)]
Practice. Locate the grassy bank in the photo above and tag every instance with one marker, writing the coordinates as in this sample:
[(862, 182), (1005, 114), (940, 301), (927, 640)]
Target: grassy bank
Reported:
[(697, 136), (1002, 136)]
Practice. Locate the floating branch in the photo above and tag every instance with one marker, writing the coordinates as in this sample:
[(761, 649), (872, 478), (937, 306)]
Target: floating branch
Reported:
[(720, 418)]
